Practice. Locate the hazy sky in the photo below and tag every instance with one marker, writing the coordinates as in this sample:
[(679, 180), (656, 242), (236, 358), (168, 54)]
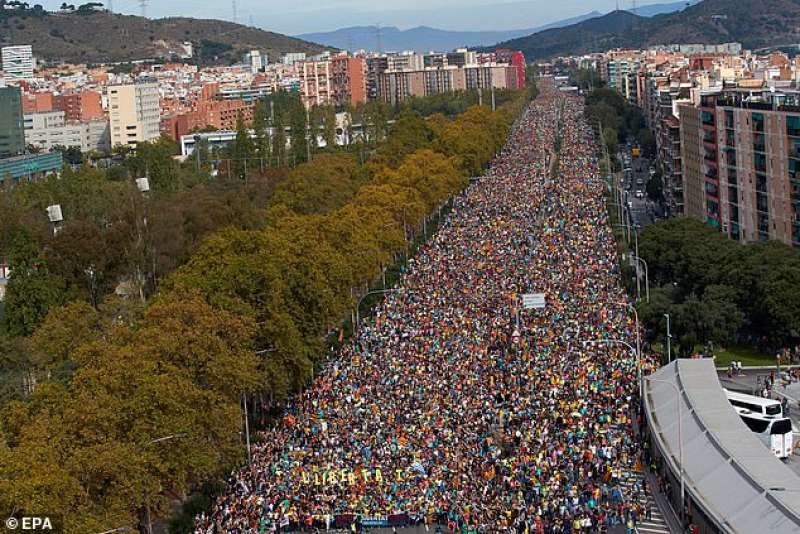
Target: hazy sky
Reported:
[(299, 16)]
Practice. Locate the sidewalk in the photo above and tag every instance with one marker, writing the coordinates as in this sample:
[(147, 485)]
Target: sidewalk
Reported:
[(670, 519), (663, 520)]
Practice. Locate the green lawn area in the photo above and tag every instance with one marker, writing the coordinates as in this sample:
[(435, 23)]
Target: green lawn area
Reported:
[(743, 353), (749, 356)]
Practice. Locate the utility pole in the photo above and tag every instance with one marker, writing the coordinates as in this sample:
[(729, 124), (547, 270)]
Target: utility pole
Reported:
[(246, 428), (197, 139), (233, 2), (669, 340), (494, 106), (308, 135)]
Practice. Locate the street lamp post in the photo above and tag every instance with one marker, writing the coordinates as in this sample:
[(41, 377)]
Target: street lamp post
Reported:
[(167, 438), (638, 345), (622, 209), (680, 436), (247, 428), (627, 239), (145, 522), (646, 274), (669, 340)]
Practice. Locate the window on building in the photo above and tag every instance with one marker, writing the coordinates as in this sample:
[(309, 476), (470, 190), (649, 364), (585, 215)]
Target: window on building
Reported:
[(761, 183), (758, 122), (760, 162), (793, 125)]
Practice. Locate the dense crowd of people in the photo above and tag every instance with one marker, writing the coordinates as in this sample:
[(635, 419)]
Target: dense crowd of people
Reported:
[(456, 406)]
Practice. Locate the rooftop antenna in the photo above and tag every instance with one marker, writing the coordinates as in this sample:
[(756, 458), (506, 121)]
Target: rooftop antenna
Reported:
[(234, 10), (143, 7)]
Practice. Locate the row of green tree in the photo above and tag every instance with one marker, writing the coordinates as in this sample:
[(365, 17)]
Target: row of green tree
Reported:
[(115, 238), (315, 131), (126, 403), (620, 120), (718, 290)]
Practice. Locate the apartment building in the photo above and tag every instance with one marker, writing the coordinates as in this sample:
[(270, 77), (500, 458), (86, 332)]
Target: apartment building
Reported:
[(693, 169), (134, 113), (222, 115), (80, 105), (291, 58), (255, 61), (668, 143), (348, 81), (516, 59), (340, 81), (616, 68), (18, 62), (51, 129), (315, 82), (376, 65), (659, 96), (12, 134), (746, 181), (245, 94), (395, 87), (37, 102)]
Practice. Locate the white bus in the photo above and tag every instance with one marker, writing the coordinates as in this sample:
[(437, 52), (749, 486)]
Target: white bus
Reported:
[(755, 405), (765, 418)]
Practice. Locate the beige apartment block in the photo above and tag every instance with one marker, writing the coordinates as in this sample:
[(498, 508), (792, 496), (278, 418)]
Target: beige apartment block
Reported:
[(134, 113)]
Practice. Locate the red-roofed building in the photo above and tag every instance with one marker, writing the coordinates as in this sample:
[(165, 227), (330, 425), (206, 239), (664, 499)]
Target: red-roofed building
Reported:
[(37, 102), (219, 114), (81, 106)]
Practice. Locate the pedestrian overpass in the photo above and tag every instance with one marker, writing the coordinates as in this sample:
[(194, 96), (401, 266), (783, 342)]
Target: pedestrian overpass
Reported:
[(732, 482)]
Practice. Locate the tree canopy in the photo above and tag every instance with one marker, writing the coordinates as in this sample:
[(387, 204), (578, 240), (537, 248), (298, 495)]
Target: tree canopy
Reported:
[(131, 334), (719, 290)]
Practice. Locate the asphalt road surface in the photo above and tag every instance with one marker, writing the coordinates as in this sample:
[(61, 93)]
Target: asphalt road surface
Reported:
[(642, 210)]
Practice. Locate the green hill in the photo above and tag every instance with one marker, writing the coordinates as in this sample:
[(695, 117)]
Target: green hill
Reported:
[(754, 23), (100, 36)]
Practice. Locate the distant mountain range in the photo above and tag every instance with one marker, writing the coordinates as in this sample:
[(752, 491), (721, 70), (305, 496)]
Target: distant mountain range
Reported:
[(426, 39), (710, 21)]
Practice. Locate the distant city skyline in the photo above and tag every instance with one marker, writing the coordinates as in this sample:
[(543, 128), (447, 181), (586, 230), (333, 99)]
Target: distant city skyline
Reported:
[(325, 15)]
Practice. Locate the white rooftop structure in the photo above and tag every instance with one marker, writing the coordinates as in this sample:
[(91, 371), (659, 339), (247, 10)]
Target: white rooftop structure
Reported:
[(737, 481)]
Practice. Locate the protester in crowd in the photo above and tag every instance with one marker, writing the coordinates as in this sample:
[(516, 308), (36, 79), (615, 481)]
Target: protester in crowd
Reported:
[(443, 410)]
